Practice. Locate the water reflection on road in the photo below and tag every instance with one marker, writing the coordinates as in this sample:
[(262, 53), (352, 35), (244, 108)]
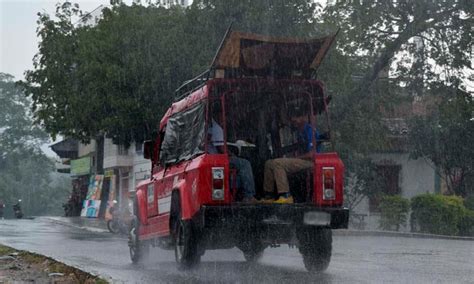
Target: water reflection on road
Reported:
[(358, 259)]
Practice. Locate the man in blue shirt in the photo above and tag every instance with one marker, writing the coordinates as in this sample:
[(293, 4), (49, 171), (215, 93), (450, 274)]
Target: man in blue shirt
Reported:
[(277, 170)]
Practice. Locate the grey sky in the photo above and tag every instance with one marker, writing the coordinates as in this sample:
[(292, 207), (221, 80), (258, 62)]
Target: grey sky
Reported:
[(18, 41)]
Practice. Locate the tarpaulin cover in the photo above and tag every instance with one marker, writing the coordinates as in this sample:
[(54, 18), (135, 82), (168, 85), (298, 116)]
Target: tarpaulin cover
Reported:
[(261, 53), (184, 135)]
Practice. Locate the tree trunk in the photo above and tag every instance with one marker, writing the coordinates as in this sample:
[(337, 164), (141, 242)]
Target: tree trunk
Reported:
[(99, 154)]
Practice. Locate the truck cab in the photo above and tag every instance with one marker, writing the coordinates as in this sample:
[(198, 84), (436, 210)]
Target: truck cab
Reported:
[(193, 200)]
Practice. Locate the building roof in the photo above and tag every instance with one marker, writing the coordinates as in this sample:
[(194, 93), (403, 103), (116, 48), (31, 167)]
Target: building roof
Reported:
[(67, 148)]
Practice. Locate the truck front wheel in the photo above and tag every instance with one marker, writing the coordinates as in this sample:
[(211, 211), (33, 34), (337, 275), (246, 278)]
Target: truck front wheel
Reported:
[(315, 244), (138, 249)]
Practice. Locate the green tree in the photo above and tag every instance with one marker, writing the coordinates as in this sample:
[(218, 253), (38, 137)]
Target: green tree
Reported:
[(440, 31), (407, 38), (116, 77), (446, 138), (24, 169)]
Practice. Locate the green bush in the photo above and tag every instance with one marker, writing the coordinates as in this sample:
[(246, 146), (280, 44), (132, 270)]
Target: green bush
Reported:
[(469, 202), (466, 224), (437, 214), (393, 212)]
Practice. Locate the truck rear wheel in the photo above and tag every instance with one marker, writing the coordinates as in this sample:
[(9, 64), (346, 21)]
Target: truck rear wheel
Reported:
[(252, 248), (186, 242), (315, 244), (253, 253)]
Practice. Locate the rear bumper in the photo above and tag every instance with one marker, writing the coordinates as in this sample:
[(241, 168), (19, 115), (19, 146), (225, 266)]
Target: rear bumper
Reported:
[(258, 215)]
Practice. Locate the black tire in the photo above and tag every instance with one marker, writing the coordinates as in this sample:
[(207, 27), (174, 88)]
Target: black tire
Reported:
[(315, 244), (113, 226), (251, 245), (138, 249), (185, 240), (252, 250)]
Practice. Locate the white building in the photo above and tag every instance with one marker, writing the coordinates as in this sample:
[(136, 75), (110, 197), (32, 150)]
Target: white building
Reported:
[(401, 174)]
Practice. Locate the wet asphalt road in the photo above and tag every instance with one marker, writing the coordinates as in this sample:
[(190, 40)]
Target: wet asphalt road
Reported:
[(356, 259)]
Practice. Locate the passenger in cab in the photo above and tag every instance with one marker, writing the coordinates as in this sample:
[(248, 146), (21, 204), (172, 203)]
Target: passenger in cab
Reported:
[(276, 170)]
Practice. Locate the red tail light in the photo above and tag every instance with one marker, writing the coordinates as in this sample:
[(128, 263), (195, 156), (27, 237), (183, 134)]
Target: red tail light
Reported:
[(218, 183), (328, 183)]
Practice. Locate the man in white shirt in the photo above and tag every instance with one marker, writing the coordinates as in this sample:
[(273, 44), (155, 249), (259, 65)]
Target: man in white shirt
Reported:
[(243, 166)]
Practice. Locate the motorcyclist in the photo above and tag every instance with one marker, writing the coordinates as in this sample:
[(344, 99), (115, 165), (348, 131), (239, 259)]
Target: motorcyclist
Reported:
[(121, 219), (2, 205), (17, 210)]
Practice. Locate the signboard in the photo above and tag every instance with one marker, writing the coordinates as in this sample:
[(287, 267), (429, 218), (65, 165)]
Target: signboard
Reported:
[(81, 166), (108, 173)]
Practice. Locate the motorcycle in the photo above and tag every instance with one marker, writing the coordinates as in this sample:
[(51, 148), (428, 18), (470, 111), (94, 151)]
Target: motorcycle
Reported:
[(118, 224), (2, 206), (17, 210)]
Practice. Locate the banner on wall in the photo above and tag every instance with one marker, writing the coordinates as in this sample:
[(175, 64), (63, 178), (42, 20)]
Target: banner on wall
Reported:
[(95, 187), (90, 208)]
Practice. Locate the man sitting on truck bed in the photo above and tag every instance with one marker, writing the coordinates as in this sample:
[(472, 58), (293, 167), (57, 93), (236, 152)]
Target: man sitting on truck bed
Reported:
[(243, 166), (276, 170)]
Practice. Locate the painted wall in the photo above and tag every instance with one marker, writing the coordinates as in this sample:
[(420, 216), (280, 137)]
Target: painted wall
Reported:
[(85, 149), (114, 158), (417, 176), (141, 167)]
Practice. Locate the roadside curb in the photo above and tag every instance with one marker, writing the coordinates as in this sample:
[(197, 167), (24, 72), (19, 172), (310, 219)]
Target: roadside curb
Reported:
[(398, 234), (70, 224), (340, 232)]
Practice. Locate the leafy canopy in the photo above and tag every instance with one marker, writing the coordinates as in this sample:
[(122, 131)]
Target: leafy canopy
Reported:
[(25, 172), (446, 138), (118, 76)]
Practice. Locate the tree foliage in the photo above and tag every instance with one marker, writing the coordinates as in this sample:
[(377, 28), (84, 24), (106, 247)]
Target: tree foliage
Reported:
[(424, 44), (115, 78), (383, 30), (118, 76), (25, 172), (446, 138)]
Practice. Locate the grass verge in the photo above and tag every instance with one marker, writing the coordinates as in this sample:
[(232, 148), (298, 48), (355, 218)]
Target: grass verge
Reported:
[(24, 266)]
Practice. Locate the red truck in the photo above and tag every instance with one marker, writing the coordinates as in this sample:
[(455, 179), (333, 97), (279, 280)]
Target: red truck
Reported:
[(192, 202)]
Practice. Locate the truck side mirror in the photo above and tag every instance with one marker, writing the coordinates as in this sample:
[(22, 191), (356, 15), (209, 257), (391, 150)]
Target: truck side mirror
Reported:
[(148, 149)]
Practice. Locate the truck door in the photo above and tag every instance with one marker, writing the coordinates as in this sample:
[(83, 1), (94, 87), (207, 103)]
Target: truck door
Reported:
[(152, 209)]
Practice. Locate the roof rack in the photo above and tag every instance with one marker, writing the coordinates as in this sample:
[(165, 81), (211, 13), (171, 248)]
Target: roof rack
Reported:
[(191, 85)]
